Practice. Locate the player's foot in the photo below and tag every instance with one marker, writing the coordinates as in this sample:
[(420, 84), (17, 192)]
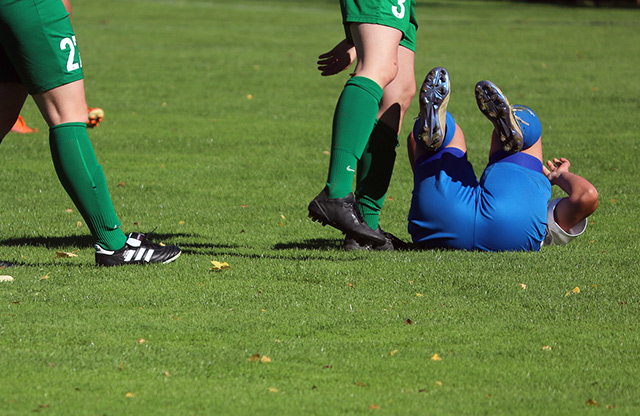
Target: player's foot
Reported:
[(495, 106), (137, 250), (20, 126), (391, 243), (343, 214), (95, 116), (434, 98)]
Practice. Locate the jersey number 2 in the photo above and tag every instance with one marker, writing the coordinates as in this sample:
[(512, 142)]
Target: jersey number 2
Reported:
[(70, 43)]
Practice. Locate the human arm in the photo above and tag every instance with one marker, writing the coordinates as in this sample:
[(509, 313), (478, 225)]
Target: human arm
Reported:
[(582, 199), (337, 59)]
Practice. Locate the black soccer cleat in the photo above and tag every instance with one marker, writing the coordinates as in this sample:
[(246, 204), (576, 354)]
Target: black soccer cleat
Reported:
[(343, 214), (391, 243), (494, 105), (434, 98), (138, 249)]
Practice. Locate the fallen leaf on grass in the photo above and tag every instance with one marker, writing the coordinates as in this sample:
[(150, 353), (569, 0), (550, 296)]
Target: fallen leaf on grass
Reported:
[(6, 278), (408, 322), (439, 383), (419, 295), (374, 407), (260, 358), (394, 352), (522, 286), (79, 224), (265, 359), (68, 210), (44, 277), (546, 348), (436, 357), (65, 254), (129, 395), (592, 402), (573, 291), (273, 390), (219, 265)]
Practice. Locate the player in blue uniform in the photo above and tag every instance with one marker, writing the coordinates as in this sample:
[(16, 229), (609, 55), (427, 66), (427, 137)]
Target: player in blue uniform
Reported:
[(507, 209)]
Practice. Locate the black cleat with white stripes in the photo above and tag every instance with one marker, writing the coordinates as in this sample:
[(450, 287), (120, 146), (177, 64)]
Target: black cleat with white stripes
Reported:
[(137, 250)]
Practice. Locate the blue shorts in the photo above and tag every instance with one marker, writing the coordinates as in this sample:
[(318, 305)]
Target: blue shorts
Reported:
[(505, 211)]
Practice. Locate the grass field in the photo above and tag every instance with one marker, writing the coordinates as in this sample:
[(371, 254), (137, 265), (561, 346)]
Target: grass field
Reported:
[(216, 129)]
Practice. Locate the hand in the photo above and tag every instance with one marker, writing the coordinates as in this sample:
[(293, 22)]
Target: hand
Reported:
[(337, 59), (555, 168)]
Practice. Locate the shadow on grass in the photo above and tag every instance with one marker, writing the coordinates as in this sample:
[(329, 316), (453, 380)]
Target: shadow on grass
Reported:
[(76, 240), (323, 244)]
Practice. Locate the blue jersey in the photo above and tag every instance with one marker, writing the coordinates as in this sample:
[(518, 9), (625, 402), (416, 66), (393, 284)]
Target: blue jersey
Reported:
[(505, 211)]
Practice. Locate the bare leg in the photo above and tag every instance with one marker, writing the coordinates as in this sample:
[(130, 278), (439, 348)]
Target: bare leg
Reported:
[(64, 104)]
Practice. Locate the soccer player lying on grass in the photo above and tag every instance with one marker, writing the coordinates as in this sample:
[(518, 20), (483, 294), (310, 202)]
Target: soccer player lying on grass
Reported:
[(507, 209), (368, 115), (39, 56)]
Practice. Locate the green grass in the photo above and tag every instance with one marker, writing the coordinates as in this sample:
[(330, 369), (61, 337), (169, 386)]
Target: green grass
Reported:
[(228, 178)]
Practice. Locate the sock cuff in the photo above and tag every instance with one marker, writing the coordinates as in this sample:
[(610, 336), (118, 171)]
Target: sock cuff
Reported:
[(67, 125), (367, 85)]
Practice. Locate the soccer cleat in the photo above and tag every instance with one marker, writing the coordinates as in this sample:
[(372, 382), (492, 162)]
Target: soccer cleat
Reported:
[(138, 249), (95, 116), (20, 126), (343, 214), (434, 98), (495, 106), (391, 243)]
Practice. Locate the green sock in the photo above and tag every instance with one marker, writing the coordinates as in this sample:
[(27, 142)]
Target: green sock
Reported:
[(352, 124), (83, 179), (374, 172)]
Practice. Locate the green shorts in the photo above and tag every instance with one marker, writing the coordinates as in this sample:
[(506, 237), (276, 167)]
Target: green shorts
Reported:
[(399, 14), (37, 45)]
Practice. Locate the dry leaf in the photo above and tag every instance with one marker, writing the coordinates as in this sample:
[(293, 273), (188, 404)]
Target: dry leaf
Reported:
[(436, 357), (374, 407), (281, 224), (181, 222), (546, 348), (439, 383), (283, 217), (129, 394), (65, 254), (79, 224), (219, 265), (249, 97), (408, 322), (419, 295), (121, 185), (522, 286), (575, 290), (6, 278), (326, 152), (243, 206), (166, 374), (394, 352), (68, 210), (44, 277), (141, 341), (265, 359), (273, 390), (254, 357), (592, 402)]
